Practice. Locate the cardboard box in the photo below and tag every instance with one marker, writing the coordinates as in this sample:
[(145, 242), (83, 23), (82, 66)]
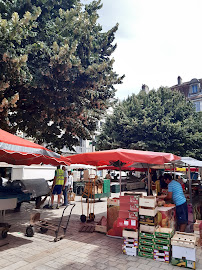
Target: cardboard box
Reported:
[(146, 254), (184, 252), (167, 217), (148, 212), (127, 223), (162, 241), (112, 216), (130, 242), (161, 259), (164, 233), (146, 242), (129, 199), (149, 201), (129, 207), (128, 214), (161, 253), (146, 248), (130, 233), (147, 228), (183, 263), (148, 236), (162, 247), (148, 220), (131, 251), (113, 201)]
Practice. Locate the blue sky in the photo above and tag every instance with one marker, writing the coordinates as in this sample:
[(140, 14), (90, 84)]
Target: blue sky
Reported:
[(158, 40)]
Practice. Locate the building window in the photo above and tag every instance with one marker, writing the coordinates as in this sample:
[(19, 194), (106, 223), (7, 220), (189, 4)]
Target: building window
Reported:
[(197, 106), (194, 88)]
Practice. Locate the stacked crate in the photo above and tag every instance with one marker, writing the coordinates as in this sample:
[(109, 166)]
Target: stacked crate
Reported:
[(162, 244), (146, 245), (128, 214), (106, 186), (130, 245), (128, 220), (184, 250), (148, 222)]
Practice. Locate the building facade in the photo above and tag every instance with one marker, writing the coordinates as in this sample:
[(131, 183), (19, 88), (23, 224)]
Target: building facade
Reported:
[(192, 90)]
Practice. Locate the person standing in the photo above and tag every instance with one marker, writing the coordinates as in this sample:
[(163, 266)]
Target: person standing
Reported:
[(108, 176), (175, 192), (68, 187), (65, 186), (57, 186)]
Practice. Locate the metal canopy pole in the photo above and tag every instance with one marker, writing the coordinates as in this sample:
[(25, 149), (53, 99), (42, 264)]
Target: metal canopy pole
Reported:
[(149, 181), (190, 182), (120, 180)]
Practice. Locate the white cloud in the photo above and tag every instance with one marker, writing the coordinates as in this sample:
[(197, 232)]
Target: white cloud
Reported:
[(157, 41)]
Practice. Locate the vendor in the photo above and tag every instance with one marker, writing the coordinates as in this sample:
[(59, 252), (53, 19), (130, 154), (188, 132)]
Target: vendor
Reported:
[(108, 176), (175, 192)]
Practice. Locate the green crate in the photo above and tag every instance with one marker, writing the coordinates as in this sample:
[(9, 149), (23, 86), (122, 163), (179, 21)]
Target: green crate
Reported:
[(162, 241), (164, 234), (146, 235), (162, 247), (106, 186), (146, 242), (146, 254), (146, 248)]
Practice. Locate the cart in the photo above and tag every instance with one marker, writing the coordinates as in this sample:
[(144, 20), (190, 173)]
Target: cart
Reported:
[(88, 193), (45, 226)]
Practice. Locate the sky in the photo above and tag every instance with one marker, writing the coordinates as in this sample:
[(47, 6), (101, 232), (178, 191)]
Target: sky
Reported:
[(157, 41)]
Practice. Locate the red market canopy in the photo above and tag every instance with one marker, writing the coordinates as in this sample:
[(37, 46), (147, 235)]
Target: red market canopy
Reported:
[(124, 168), (18, 151), (122, 156)]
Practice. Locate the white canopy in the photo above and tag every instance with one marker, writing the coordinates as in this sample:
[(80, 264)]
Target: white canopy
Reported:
[(81, 166), (188, 161)]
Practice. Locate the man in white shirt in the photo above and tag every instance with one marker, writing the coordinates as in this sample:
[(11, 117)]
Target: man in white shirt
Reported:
[(68, 186)]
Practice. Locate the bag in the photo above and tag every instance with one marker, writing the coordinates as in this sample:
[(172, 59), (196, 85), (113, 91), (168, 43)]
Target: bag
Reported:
[(71, 196)]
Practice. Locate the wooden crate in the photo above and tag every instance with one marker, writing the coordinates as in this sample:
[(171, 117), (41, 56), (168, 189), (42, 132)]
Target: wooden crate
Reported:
[(147, 228), (130, 233), (148, 211), (101, 229), (149, 201), (184, 240)]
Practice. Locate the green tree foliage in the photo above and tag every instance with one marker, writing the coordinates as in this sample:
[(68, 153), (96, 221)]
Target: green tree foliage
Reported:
[(161, 120), (58, 63)]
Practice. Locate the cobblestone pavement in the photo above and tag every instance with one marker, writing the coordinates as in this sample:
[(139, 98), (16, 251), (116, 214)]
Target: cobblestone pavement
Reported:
[(77, 250)]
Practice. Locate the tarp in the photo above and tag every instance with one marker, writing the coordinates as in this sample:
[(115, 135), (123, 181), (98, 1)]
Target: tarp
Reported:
[(17, 151), (121, 157), (125, 168), (188, 161), (124, 156), (81, 166)]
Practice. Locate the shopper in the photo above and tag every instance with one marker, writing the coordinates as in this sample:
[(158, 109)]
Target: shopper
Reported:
[(58, 183), (108, 176), (65, 186), (175, 192)]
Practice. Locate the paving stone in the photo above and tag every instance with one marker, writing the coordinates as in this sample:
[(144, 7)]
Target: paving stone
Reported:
[(144, 266), (15, 265)]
